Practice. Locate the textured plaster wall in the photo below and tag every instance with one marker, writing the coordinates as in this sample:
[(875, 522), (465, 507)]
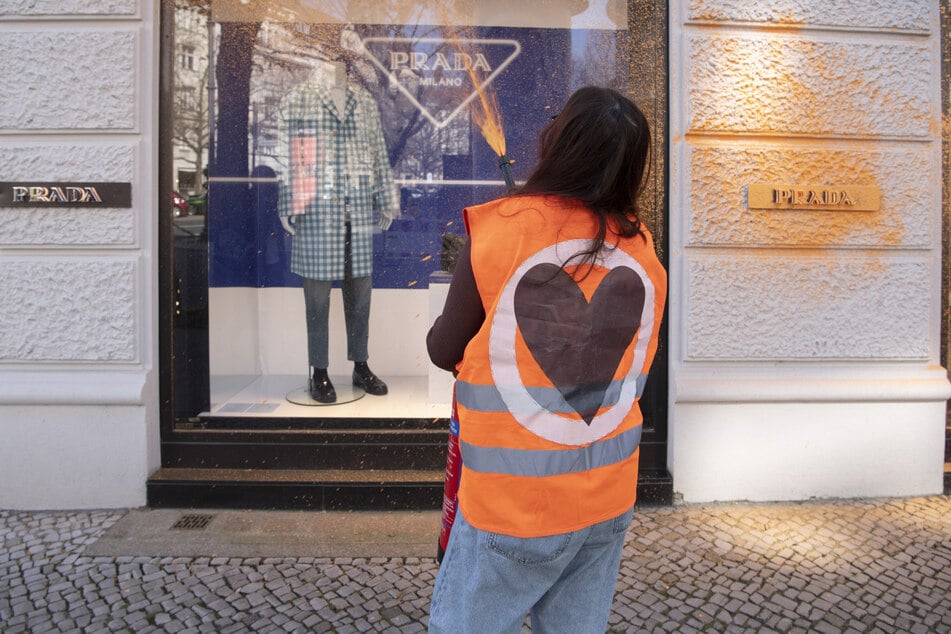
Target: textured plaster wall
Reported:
[(804, 344), (779, 83), (794, 306), (809, 93), (68, 309), (45, 160), (81, 305), (78, 388), (42, 71), (720, 172), (876, 15), (67, 8)]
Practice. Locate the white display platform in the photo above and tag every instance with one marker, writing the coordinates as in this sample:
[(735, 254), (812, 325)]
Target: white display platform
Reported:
[(344, 390), (258, 352), (266, 396)]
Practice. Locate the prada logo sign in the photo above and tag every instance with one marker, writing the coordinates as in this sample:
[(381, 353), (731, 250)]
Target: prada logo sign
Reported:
[(441, 76), (810, 198), (43, 194)]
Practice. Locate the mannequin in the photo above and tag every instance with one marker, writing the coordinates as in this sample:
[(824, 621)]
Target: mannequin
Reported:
[(338, 187)]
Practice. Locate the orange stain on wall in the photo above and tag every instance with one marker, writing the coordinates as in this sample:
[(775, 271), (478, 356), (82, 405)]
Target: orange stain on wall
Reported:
[(794, 80)]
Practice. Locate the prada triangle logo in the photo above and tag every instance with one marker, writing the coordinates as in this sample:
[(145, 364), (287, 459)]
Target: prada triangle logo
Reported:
[(441, 76)]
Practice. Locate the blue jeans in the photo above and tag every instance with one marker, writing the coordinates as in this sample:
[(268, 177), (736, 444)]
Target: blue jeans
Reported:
[(356, 314), (488, 582)]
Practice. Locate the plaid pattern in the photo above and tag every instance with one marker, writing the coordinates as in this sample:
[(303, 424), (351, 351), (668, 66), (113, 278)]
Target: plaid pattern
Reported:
[(338, 172)]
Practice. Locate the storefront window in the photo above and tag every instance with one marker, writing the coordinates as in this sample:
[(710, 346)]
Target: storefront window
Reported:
[(332, 145)]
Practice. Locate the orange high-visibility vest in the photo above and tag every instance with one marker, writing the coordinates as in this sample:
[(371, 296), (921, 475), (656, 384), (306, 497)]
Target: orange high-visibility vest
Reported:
[(547, 390)]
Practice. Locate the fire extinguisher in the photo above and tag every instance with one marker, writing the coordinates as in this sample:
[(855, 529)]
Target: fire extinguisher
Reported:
[(450, 497)]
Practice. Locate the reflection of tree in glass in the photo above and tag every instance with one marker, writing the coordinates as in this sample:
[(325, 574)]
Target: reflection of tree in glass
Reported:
[(415, 147), (190, 129), (278, 44)]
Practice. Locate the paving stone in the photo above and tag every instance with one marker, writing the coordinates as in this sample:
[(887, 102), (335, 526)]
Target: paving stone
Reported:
[(857, 566)]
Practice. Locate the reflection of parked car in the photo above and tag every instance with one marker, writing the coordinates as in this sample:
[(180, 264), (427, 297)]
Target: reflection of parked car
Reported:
[(197, 203), (179, 205)]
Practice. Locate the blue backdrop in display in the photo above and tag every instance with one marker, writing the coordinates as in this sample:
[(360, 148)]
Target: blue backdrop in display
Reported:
[(249, 247)]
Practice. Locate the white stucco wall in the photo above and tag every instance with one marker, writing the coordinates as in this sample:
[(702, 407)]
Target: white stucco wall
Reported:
[(805, 344), (78, 390)]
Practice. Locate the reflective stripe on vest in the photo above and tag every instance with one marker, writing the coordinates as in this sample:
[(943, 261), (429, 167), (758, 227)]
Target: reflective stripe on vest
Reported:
[(540, 463), (486, 398)]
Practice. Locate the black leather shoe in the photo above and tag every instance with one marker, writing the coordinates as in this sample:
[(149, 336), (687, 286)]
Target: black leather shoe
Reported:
[(320, 387), (363, 377)]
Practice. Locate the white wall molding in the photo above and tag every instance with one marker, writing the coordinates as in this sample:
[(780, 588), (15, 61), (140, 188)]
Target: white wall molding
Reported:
[(73, 387), (798, 384)]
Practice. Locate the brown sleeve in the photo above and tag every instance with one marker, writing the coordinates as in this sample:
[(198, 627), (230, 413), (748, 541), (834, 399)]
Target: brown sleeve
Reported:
[(462, 316)]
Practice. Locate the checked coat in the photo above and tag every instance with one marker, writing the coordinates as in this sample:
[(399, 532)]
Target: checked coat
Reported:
[(338, 172)]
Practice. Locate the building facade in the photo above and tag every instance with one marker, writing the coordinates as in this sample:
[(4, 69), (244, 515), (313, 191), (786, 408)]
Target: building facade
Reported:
[(798, 193)]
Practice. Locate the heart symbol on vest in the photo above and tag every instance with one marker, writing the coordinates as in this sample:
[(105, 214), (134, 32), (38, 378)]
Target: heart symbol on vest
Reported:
[(578, 344)]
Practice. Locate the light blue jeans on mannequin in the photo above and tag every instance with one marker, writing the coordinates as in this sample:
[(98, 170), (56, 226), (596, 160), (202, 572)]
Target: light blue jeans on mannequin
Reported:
[(356, 312), (488, 582)]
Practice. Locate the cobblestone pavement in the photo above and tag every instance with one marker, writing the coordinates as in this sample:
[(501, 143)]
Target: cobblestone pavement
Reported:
[(858, 566)]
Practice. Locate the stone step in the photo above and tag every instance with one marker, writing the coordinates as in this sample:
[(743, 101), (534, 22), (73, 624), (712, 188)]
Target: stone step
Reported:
[(328, 489), (301, 489), (321, 449)]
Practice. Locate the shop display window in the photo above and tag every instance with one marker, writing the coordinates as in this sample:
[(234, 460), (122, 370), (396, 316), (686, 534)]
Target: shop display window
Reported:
[(335, 141)]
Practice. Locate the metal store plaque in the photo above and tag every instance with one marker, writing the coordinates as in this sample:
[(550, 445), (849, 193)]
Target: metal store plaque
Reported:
[(817, 198), (70, 194)]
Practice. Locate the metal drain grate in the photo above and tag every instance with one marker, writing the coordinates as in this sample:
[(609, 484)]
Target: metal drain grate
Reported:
[(193, 522)]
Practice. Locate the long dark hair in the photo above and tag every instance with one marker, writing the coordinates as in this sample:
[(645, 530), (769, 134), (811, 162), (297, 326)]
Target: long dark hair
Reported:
[(596, 151)]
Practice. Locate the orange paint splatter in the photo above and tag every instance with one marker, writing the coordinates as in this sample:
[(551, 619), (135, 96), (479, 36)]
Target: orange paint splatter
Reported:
[(485, 110)]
